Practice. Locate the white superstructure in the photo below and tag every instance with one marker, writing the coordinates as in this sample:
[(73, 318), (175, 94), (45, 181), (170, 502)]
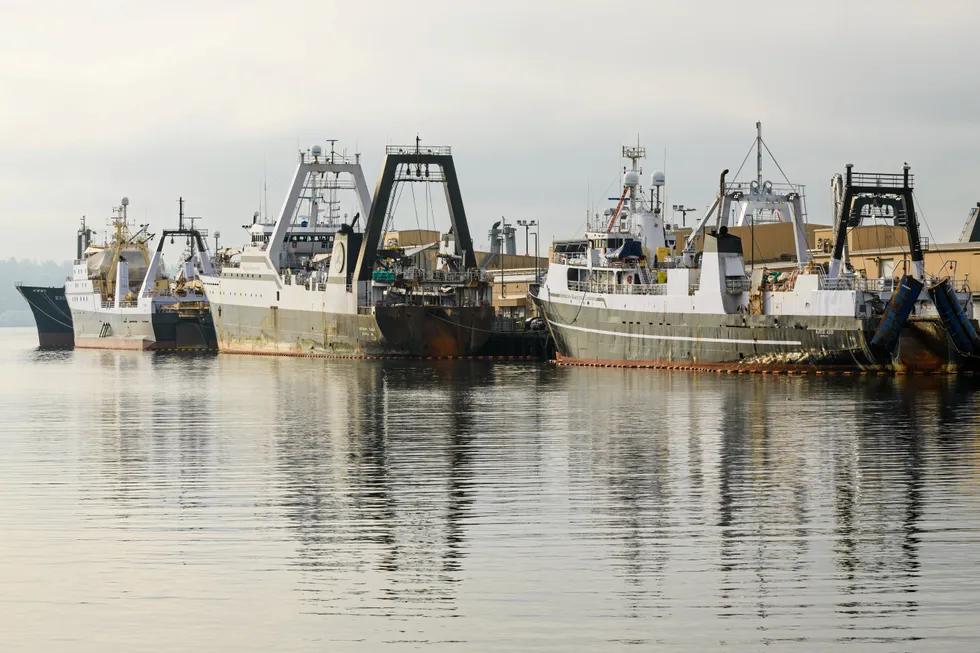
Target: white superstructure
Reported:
[(292, 273)]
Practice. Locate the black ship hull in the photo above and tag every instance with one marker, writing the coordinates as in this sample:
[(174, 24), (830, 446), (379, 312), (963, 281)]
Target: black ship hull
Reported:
[(437, 331), (51, 315), (192, 331), (383, 331), (587, 335)]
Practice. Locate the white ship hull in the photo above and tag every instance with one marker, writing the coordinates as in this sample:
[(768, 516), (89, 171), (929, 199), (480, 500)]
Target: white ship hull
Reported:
[(248, 319), (116, 328), (255, 312)]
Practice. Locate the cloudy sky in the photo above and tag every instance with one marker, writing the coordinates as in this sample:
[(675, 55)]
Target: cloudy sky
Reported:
[(160, 99)]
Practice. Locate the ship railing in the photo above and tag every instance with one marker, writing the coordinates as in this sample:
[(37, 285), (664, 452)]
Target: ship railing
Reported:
[(326, 157), (132, 303), (876, 285), (888, 179), (441, 150), (619, 288), (615, 265), (569, 259), (852, 283), (777, 188), (737, 285), (840, 283), (442, 276), (583, 261)]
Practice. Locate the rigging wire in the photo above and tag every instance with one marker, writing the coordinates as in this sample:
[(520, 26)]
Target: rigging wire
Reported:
[(747, 155), (415, 206), (929, 229), (389, 220), (806, 236), (429, 209), (771, 156), (589, 215)]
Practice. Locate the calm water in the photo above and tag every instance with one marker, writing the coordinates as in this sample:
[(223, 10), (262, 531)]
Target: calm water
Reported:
[(160, 503)]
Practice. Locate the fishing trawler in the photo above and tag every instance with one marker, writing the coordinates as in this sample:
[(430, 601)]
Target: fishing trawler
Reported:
[(121, 298), (617, 297), (316, 285)]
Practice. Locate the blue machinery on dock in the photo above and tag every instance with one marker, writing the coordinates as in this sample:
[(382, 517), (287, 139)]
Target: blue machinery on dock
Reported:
[(961, 332), (897, 312)]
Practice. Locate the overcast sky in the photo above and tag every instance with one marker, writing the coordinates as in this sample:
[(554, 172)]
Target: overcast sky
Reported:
[(160, 99)]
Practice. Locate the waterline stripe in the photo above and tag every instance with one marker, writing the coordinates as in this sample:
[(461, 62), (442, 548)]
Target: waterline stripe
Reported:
[(787, 343)]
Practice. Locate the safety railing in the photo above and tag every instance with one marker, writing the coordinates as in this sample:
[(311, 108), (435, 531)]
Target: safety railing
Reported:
[(327, 157), (737, 285), (442, 150), (854, 283), (878, 179), (619, 289), (569, 259), (442, 276), (130, 303), (876, 285)]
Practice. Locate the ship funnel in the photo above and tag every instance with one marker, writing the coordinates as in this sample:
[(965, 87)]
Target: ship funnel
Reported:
[(510, 240), (495, 238), (721, 192)]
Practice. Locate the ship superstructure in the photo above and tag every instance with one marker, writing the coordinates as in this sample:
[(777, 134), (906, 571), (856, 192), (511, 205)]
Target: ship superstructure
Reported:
[(609, 299), (316, 285)]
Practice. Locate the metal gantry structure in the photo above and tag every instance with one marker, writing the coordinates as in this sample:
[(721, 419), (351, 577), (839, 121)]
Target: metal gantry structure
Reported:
[(409, 164)]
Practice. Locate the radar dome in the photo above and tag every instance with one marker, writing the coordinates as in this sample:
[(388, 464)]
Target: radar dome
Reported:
[(317, 150), (631, 178), (657, 178), (125, 201)]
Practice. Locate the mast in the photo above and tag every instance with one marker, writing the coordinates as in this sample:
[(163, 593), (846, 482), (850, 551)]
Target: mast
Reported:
[(634, 154), (758, 153)]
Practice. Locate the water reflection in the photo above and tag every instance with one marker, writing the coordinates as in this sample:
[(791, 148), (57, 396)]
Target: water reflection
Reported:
[(379, 481), (553, 508)]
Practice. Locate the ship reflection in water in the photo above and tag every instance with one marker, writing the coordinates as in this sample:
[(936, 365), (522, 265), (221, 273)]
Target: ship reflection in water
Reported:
[(293, 504)]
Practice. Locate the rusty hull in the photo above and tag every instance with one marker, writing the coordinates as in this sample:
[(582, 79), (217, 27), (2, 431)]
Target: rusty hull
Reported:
[(435, 330)]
